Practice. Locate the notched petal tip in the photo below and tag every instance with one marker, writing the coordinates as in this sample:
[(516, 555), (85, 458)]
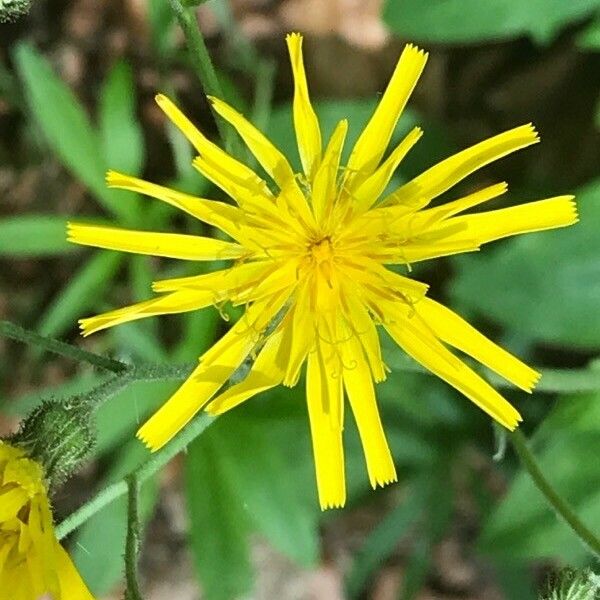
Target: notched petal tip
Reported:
[(512, 421), (383, 481), (86, 326), (142, 435), (114, 178), (330, 504), (294, 36), (534, 380), (573, 206), (73, 230), (414, 49), (533, 132)]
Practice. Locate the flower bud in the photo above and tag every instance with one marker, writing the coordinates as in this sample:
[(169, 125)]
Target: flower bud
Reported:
[(11, 10), (57, 435), (570, 584)]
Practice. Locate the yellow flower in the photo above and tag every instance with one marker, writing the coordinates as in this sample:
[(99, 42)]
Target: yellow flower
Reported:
[(33, 564), (310, 256)]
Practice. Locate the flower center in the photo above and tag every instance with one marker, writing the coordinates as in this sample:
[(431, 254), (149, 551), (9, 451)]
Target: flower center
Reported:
[(322, 251)]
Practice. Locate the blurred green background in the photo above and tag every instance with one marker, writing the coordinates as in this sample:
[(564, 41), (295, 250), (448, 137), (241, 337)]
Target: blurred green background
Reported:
[(237, 515)]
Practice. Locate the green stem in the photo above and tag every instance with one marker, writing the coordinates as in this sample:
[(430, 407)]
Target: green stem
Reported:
[(15, 332), (142, 473), (559, 504), (132, 543), (205, 70)]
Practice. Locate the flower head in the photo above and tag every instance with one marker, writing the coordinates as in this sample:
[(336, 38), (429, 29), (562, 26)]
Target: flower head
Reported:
[(32, 561), (313, 249)]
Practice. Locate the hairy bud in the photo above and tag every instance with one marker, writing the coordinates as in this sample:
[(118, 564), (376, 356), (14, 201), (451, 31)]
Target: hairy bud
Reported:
[(570, 584), (58, 435), (11, 10)]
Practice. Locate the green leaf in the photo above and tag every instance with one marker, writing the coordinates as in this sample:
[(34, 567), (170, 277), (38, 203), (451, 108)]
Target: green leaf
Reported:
[(121, 135), (138, 342), (80, 295), (417, 568), (515, 580), (589, 38), (120, 131), (34, 236), (542, 285), (99, 544), (140, 339), (471, 21), (250, 447), (218, 524), (199, 331), (161, 20), (64, 123), (438, 499), (381, 543)]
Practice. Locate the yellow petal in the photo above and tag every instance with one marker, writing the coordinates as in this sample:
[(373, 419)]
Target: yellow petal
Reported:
[(525, 218), (207, 149), (326, 437), (237, 277), (306, 124), (11, 502), (361, 394), (441, 177), (227, 218), (368, 192), (207, 378), (233, 183), (170, 245), (216, 366), (417, 251), (454, 330), (174, 303), (365, 270), (283, 276), (365, 329), (271, 159), (266, 373), (376, 136), (325, 182), (300, 336), (418, 342), (259, 210), (430, 217), (72, 586)]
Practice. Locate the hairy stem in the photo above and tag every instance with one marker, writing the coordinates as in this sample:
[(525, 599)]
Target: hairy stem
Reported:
[(205, 69), (132, 543), (559, 504), (16, 332)]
